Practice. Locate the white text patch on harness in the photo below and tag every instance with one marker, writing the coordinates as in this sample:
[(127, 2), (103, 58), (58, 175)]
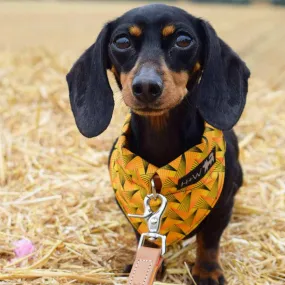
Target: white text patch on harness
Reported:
[(199, 172)]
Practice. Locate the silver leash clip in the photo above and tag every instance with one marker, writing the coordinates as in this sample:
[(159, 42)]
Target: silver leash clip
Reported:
[(153, 220)]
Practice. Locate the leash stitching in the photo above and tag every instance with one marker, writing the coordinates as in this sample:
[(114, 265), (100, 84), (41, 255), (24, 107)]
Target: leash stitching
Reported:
[(136, 267)]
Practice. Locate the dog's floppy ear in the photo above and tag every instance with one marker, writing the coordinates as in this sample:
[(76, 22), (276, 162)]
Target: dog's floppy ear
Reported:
[(224, 82), (90, 94)]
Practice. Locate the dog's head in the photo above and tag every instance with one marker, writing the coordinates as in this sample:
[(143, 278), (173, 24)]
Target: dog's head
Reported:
[(159, 55)]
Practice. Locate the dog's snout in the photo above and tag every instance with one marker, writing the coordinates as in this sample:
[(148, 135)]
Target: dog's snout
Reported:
[(147, 85)]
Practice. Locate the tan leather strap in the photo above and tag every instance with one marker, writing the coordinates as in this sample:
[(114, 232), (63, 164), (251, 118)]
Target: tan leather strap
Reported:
[(148, 261)]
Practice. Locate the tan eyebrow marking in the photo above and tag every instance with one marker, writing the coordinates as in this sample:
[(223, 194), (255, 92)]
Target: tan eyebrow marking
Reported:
[(168, 30), (135, 31)]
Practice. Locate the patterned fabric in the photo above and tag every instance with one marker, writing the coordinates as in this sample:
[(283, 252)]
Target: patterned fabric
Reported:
[(192, 183)]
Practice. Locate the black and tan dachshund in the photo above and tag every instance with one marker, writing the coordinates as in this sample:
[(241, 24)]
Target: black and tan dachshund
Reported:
[(175, 73)]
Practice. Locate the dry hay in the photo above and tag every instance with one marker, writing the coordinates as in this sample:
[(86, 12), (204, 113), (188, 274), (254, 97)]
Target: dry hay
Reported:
[(55, 187)]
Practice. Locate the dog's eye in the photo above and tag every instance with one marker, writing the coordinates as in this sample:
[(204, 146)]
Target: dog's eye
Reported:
[(183, 41), (122, 42)]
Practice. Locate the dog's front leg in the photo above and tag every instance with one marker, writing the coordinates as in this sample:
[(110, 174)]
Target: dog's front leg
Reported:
[(207, 270)]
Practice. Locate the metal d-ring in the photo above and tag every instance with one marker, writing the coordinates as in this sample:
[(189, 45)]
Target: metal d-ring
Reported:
[(153, 220), (153, 189)]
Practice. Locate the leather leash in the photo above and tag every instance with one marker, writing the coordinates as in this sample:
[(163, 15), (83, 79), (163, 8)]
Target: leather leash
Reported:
[(148, 260), (145, 267)]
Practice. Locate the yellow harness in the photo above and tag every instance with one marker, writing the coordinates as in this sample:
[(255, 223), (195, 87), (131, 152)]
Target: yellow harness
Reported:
[(192, 183)]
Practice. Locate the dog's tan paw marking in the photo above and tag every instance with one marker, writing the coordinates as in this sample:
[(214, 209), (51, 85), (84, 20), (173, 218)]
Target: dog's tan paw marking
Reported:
[(208, 273)]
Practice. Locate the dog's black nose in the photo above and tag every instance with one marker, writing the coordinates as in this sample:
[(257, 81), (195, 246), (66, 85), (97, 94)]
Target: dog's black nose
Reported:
[(147, 85)]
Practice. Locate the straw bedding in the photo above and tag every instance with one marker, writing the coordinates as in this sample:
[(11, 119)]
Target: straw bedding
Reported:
[(55, 187)]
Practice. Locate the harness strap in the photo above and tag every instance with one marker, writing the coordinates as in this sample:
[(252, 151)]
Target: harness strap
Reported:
[(145, 267), (192, 184), (157, 182)]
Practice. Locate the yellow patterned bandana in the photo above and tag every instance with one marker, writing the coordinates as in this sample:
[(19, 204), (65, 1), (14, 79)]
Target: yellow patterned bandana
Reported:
[(192, 183)]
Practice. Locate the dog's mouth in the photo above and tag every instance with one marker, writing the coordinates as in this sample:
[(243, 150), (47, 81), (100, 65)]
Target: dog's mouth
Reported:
[(147, 111), (159, 109)]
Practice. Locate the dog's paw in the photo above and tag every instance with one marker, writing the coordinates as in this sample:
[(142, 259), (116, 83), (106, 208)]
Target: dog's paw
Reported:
[(127, 269), (208, 273)]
